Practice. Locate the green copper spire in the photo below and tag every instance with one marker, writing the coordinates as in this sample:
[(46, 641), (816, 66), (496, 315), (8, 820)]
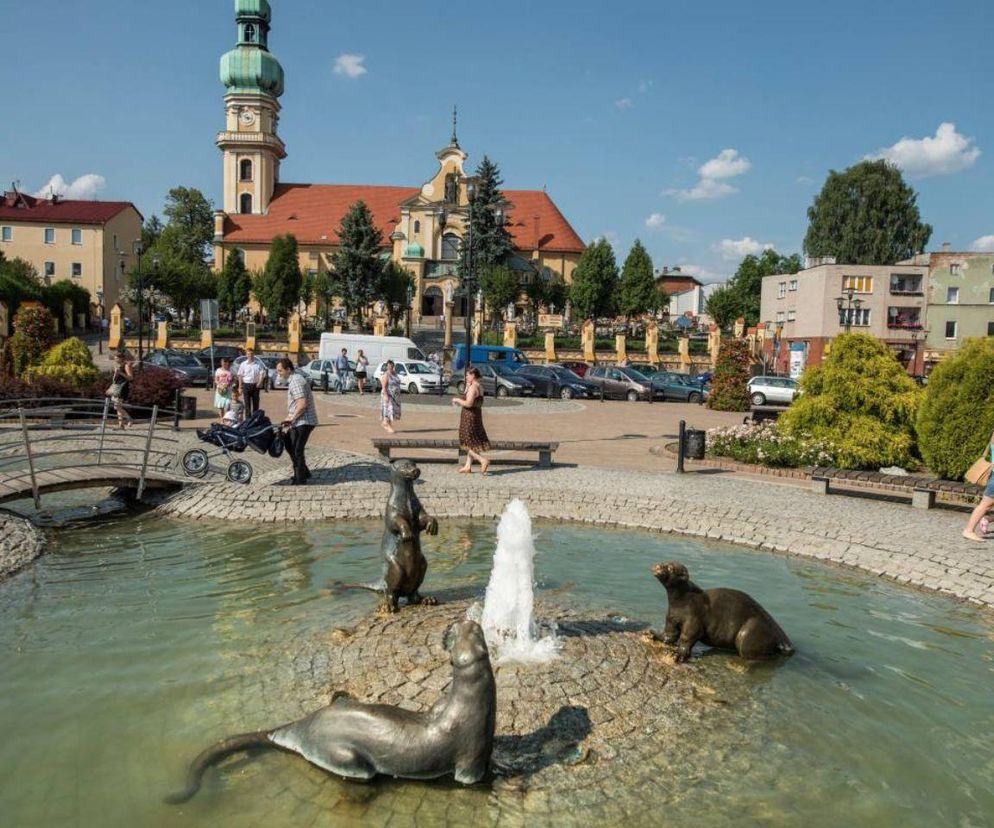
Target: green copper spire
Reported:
[(249, 68)]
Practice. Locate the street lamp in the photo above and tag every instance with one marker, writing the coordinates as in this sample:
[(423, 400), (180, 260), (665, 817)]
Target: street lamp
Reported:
[(472, 188), (846, 305), (100, 322), (410, 310), (136, 248)]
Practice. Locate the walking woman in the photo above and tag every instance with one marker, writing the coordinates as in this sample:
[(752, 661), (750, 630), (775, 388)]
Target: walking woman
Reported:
[(472, 435), (120, 384), (982, 508), (361, 364), (389, 397), (223, 381)]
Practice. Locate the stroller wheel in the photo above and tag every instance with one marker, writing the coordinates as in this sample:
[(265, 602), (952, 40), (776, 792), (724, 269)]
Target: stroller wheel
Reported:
[(195, 463), (239, 472)]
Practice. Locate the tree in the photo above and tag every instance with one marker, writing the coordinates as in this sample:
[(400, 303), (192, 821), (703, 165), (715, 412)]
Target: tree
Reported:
[(747, 283), (731, 373), (490, 241), (594, 281), (33, 335), (866, 215), (357, 259), (396, 283), (277, 288), (19, 282), (637, 292), (56, 294), (190, 225), (500, 286), (324, 291), (151, 231), (234, 285), (723, 307)]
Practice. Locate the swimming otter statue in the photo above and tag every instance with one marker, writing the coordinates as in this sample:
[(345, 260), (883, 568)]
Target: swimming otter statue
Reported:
[(724, 618), (358, 740)]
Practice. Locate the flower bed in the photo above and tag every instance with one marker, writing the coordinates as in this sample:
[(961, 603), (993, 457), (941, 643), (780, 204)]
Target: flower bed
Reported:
[(763, 444)]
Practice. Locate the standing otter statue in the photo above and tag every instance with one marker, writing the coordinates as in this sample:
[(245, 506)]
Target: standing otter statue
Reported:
[(724, 618), (358, 740)]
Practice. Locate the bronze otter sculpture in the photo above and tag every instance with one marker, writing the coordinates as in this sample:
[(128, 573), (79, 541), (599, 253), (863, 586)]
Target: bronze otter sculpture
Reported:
[(358, 740), (724, 618)]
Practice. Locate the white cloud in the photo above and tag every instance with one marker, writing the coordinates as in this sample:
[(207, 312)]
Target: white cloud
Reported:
[(84, 188), (713, 174), (624, 103), (350, 65), (737, 248), (803, 179), (655, 221), (945, 152), (985, 244), (701, 273)]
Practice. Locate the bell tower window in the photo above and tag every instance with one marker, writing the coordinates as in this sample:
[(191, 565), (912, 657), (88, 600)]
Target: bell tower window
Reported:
[(245, 203), (250, 33), (245, 170)]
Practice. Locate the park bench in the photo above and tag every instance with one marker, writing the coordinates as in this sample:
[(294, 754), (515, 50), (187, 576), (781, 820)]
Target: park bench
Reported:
[(923, 489), (760, 413), (545, 449)]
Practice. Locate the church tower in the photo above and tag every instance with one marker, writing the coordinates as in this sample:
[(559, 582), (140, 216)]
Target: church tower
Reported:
[(249, 144)]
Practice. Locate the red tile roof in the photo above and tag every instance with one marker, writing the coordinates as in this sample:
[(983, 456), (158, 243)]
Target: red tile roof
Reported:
[(313, 213), (45, 211)]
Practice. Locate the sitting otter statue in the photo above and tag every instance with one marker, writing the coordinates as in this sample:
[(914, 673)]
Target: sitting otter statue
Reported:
[(358, 740), (724, 618)]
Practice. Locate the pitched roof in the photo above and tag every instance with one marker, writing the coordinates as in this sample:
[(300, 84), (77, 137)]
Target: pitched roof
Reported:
[(313, 213), (21, 207)]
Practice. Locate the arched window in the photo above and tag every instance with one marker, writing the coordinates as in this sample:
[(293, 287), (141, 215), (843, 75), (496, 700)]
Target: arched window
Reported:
[(250, 33), (417, 226), (450, 246), (246, 203), (245, 170)]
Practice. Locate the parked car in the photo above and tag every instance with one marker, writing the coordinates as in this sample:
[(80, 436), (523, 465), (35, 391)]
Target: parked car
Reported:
[(480, 354), (186, 366), (620, 383), (500, 381), (670, 385), (220, 352), (315, 369), (578, 368), (776, 390), (416, 377), (557, 380), (647, 369)]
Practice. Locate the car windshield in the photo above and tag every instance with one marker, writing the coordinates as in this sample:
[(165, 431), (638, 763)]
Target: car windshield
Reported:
[(631, 373), (563, 373), (418, 368), (502, 370)]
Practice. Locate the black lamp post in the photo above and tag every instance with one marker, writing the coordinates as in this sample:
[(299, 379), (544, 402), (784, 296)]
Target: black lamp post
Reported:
[(468, 277), (410, 310), (136, 248), (100, 322), (846, 305)]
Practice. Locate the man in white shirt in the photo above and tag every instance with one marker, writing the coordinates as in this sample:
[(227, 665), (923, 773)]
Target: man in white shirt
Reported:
[(301, 417), (251, 377)]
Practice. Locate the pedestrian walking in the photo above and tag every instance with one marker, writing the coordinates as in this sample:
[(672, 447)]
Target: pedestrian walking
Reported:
[(251, 376), (223, 384), (986, 502), (389, 397), (361, 364), (300, 420), (472, 435), (342, 369), (120, 386)]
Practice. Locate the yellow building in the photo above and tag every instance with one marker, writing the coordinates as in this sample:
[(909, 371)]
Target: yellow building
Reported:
[(87, 242), (423, 226)]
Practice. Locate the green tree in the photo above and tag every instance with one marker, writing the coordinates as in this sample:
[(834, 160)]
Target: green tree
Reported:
[(723, 307), (489, 238), (395, 284), (866, 215), (277, 288), (731, 373), (34, 333), (500, 286), (861, 401), (19, 282), (234, 285), (357, 259), (70, 361), (151, 231), (55, 295), (324, 291), (637, 292), (190, 225), (747, 283), (594, 281)]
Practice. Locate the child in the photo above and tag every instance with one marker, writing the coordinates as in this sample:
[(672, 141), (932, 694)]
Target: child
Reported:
[(234, 410)]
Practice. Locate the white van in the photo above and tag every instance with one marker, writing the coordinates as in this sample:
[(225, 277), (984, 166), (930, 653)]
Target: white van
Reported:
[(377, 349)]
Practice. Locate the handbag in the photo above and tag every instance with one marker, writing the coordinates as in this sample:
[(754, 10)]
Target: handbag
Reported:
[(276, 447), (980, 472), (117, 388)]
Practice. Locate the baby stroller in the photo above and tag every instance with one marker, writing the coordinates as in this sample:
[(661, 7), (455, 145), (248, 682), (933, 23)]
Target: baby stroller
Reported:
[(257, 431)]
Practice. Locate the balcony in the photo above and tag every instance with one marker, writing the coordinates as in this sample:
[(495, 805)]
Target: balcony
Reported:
[(906, 319), (906, 286)]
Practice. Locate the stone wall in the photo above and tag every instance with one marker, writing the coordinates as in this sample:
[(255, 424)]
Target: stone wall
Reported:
[(20, 543)]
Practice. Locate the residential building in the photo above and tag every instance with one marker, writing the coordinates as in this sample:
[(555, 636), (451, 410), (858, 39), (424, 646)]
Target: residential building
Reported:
[(87, 242), (422, 226), (686, 294), (802, 311)]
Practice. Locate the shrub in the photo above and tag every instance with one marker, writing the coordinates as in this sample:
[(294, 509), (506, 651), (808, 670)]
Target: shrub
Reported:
[(12, 388), (69, 362), (731, 373), (154, 386), (956, 416), (766, 445), (34, 334), (861, 401)]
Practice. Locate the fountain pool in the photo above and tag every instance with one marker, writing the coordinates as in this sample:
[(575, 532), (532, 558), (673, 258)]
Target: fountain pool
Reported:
[(137, 641)]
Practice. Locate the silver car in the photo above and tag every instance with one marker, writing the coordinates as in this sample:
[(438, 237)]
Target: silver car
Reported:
[(316, 368), (776, 390)]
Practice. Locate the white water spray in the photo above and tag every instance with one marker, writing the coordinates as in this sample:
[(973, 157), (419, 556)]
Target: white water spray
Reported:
[(507, 619)]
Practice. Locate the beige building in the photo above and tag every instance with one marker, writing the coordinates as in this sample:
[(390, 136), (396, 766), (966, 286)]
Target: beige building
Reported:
[(802, 316), (87, 242)]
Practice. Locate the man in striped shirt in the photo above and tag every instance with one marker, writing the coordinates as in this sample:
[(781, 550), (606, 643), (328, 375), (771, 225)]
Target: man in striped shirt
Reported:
[(300, 420)]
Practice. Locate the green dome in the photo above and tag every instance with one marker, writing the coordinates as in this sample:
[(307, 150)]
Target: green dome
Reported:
[(253, 8), (413, 250), (252, 70)]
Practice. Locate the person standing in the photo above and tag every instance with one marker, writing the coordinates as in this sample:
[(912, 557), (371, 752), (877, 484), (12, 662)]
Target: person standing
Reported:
[(223, 381), (472, 435), (342, 368), (251, 376), (300, 420), (120, 385), (982, 508), (389, 397), (361, 364)]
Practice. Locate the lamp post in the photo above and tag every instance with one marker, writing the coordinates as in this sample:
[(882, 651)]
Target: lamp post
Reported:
[(410, 311), (846, 305), (471, 191), (100, 322), (136, 248)]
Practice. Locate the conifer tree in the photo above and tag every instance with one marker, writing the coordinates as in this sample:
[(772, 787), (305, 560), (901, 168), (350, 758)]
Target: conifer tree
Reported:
[(277, 287), (490, 239), (357, 259), (234, 285)]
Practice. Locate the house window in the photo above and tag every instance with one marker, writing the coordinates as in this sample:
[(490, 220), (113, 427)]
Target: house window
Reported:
[(855, 317), (956, 269), (990, 328), (951, 329), (990, 296), (8, 234), (115, 242), (793, 285), (779, 317), (313, 255), (417, 227), (77, 269), (49, 235), (781, 290), (77, 236), (450, 246), (245, 170), (952, 296), (246, 203), (49, 270), (791, 316), (858, 284)]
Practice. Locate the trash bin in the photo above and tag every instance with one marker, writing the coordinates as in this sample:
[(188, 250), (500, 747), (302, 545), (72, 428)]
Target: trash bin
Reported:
[(693, 445), (189, 407)]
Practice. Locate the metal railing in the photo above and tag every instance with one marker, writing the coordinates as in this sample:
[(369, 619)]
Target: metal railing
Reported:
[(61, 434)]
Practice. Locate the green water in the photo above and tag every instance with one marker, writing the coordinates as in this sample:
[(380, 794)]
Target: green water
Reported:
[(138, 640)]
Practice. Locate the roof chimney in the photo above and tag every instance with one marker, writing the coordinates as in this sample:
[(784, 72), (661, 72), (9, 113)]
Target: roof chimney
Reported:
[(946, 247), (676, 268)]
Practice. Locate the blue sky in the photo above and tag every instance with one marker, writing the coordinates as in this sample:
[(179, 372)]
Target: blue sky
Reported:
[(705, 129)]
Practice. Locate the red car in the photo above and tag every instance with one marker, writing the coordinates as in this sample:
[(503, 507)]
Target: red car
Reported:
[(578, 368)]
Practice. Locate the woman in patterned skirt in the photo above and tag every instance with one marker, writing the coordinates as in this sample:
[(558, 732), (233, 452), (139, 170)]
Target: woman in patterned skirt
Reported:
[(389, 397), (472, 435)]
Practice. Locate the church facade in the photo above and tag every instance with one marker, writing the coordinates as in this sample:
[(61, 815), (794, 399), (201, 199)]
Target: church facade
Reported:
[(422, 227)]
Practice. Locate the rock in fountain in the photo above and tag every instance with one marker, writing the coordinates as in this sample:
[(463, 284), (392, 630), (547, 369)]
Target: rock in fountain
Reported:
[(507, 617)]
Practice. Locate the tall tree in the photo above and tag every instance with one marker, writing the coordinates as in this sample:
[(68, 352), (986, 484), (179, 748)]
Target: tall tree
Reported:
[(397, 281), (324, 291), (866, 215), (277, 287), (500, 286), (234, 285), (490, 239), (723, 307), (637, 292), (357, 259), (746, 285), (190, 222), (151, 230), (594, 281)]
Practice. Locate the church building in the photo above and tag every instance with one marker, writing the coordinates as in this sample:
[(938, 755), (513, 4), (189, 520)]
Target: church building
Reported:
[(422, 226)]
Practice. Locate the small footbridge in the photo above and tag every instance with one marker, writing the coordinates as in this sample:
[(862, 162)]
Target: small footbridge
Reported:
[(55, 444)]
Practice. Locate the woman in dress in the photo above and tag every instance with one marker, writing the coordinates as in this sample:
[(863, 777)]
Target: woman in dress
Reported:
[(389, 397), (120, 384), (223, 381), (978, 515), (472, 435), (361, 364)]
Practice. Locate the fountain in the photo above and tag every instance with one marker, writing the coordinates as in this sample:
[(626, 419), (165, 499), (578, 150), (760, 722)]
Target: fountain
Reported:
[(507, 615)]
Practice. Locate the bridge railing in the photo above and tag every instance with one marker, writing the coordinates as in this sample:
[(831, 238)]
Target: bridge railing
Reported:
[(53, 434)]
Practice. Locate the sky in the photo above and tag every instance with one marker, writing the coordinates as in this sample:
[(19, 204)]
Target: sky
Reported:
[(704, 129)]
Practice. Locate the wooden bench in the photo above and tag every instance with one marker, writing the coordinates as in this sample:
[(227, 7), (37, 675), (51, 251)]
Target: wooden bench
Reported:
[(923, 489), (545, 449)]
